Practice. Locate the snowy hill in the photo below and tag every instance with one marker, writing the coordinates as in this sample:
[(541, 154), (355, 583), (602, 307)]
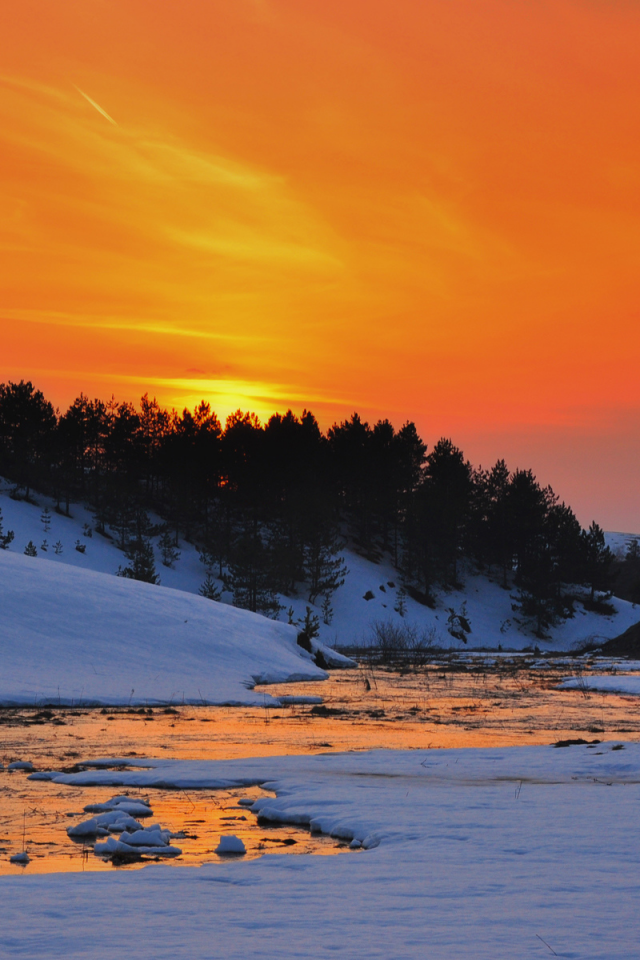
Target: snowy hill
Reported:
[(618, 542), (485, 604), (80, 637)]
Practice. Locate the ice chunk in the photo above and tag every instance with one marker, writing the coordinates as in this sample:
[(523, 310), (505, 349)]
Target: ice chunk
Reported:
[(131, 807), (113, 847), (20, 765), (116, 820), (152, 837), (231, 844), (125, 798), (19, 858), (134, 809), (121, 803)]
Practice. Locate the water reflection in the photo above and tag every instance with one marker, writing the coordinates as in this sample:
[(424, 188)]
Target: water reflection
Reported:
[(203, 817), (473, 701)]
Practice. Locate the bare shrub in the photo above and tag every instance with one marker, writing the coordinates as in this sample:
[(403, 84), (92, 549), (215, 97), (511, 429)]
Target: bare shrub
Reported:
[(401, 641)]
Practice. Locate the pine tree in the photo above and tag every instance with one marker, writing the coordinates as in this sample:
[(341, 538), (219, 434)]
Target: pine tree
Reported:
[(124, 517), (597, 560), (27, 425), (633, 550), (141, 561), (327, 609), (45, 518), (324, 569), (309, 628), (168, 549), (209, 588), (447, 490), (250, 576), (206, 558), (5, 538), (401, 602), (496, 492), (30, 549)]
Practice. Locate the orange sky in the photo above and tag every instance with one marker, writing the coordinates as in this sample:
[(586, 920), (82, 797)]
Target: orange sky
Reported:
[(425, 209)]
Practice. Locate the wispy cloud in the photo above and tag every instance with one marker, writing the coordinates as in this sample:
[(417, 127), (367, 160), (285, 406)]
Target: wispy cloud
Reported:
[(97, 106)]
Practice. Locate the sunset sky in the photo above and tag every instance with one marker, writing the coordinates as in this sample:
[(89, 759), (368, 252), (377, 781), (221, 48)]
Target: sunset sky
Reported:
[(420, 209)]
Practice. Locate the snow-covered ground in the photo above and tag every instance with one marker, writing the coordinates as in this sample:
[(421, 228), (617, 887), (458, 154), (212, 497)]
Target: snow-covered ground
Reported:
[(480, 854), (487, 606), (618, 542), (604, 684), (76, 637)]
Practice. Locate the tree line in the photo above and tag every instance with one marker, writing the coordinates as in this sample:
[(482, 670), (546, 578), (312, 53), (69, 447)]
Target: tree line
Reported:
[(272, 506)]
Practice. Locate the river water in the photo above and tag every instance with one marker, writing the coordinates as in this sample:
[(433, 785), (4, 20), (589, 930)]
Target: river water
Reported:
[(456, 702)]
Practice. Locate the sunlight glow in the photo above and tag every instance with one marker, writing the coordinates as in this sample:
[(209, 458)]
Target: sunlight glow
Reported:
[(423, 210)]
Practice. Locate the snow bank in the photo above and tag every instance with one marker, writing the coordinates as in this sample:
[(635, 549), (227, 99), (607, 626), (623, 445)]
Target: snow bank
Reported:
[(79, 637), (604, 684), (539, 764), (472, 854)]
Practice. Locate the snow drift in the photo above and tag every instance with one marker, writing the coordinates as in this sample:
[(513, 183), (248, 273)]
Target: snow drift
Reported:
[(76, 637)]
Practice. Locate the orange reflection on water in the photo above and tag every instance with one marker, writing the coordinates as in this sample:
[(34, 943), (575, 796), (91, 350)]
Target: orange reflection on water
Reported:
[(480, 703)]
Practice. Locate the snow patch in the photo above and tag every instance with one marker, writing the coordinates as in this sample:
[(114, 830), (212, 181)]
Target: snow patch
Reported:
[(169, 646)]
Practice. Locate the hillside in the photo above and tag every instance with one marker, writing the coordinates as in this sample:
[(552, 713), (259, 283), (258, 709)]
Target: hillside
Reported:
[(72, 636), (488, 608)]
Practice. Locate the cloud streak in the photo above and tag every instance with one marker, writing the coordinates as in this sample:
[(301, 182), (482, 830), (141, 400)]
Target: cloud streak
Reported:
[(96, 106)]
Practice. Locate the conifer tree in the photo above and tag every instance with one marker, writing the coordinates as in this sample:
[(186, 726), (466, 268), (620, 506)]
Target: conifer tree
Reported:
[(327, 609), (30, 549), (309, 628), (5, 538), (142, 566), (632, 554), (250, 575), (209, 588), (27, 424), (597, 559), (447, 492), (45, 518), (168, 549), (325, 569), (401, 602)]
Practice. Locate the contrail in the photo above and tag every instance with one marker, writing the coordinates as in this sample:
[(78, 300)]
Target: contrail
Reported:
[(97, 106)]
